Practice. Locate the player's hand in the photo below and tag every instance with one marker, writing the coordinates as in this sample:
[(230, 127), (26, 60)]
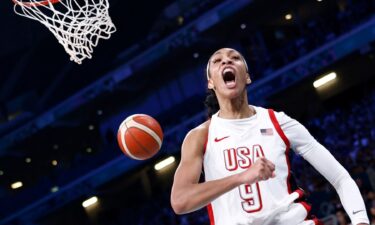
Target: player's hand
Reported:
[(262, 169)]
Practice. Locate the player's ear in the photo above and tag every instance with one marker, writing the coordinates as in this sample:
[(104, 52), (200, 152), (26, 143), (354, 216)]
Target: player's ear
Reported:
[(248, 80), (210, 84)]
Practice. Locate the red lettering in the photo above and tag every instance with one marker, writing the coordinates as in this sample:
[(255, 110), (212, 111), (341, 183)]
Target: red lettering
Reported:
[(230, 159), (244, 160), (242, 157)]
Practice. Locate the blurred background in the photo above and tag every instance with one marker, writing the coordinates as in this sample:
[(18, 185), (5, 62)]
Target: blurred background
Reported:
[(59, 120)]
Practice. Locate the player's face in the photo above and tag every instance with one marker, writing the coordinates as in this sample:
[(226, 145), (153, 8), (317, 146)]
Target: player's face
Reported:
[(228, 74)]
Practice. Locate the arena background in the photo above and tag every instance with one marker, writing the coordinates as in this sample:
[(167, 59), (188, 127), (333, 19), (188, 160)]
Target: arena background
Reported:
[(58, 120)]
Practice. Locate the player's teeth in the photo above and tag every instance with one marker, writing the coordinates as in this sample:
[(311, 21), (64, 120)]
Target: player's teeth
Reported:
[(227, 70)]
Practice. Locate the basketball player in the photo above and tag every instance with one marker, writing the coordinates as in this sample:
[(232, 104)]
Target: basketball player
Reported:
[(244, 153)]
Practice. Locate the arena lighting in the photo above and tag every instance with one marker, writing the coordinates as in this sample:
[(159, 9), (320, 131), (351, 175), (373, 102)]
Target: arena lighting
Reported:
[(54, 189), (288, 16), (180, 20), (160, 165), (89, 201), (16, 185), (324, 79)]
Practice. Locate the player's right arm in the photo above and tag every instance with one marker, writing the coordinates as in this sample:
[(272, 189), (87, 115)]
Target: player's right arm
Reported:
[(188, 194)]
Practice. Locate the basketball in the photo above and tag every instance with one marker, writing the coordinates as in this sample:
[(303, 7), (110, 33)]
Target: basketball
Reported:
[(140, 136)]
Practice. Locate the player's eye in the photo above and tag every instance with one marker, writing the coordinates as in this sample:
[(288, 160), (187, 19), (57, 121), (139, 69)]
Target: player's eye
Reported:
[(236, 57), (216, 60)]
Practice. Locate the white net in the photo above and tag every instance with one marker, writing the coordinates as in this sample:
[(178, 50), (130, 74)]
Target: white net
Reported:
[(77, 24)]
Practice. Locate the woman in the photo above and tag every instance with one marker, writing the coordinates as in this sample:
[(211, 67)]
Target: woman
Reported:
[(244, 153)]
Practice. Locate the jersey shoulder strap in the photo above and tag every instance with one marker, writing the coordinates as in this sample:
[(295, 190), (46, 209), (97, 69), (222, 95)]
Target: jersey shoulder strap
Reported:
[(208, 130), (277, 126)]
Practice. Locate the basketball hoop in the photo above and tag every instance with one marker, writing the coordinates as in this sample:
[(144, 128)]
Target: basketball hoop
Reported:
[(36, 3), (77, 24)]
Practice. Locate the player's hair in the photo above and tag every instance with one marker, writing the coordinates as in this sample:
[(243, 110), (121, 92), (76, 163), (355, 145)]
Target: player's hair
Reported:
[(211, 101)]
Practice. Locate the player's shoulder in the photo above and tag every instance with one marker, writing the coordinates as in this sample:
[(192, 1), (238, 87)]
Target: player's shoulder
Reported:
[(199, 132), (279, 114), (282, 117), (267, 110), (201, 129), (196, 139)]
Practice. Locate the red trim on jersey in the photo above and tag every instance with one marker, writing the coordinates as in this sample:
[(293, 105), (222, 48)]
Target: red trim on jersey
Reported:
[(306, 206), (210, 214), (286, 141), (209, 206), (300, 193), (205, 144), (278, 128), (317, 221)]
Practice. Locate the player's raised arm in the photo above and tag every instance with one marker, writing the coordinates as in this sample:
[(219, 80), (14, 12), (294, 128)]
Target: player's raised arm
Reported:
[(188, 194), (324, 162)]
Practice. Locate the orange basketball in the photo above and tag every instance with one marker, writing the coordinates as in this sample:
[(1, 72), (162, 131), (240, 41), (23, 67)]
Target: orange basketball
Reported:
[(140, 136)]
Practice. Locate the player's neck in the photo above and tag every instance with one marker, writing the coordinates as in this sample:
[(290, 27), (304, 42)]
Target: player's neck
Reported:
[(235, 108)]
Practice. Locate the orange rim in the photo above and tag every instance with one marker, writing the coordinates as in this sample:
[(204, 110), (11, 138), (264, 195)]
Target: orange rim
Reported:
[(31, 4)]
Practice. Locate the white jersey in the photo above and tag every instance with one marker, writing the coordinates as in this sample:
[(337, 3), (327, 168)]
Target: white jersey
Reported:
[(233, 145)]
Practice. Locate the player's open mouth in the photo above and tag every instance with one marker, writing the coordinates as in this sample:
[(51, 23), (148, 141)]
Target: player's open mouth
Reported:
[(229, 77)]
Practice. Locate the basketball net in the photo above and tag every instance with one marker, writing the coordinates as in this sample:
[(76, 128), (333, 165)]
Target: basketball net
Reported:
[(77, 24)]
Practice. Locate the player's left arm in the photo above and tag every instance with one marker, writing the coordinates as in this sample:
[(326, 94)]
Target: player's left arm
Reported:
[(323, 161)]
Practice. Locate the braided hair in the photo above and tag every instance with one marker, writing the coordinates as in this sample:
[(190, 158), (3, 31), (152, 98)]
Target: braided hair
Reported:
[(211, 103)]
